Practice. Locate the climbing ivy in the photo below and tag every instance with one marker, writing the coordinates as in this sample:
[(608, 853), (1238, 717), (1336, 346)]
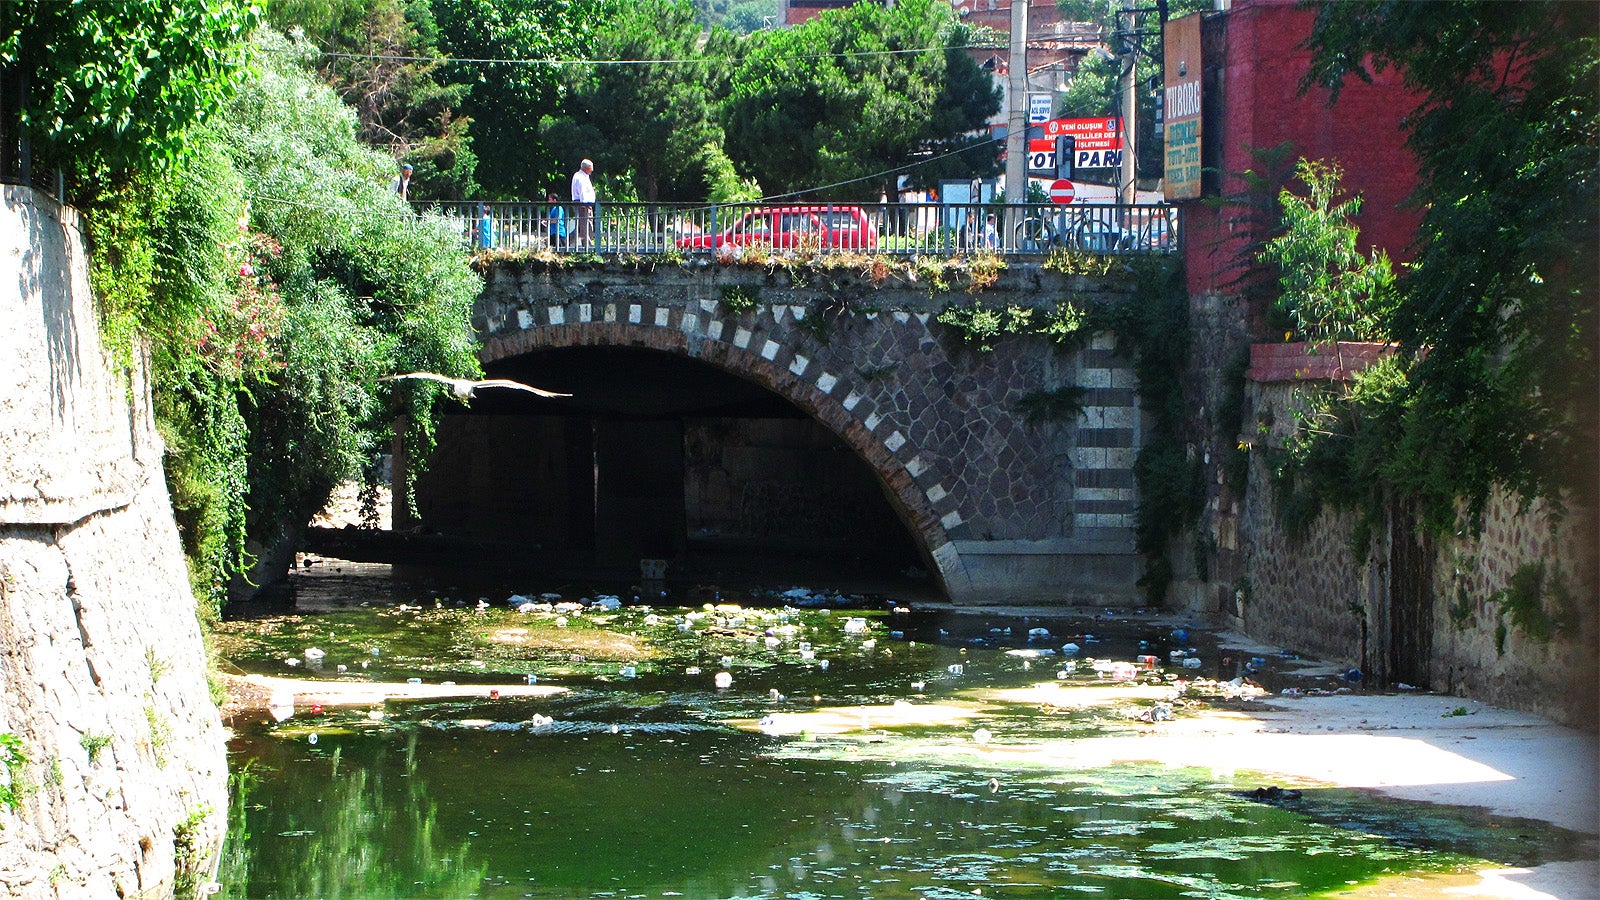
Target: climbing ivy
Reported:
[(1152, 327)]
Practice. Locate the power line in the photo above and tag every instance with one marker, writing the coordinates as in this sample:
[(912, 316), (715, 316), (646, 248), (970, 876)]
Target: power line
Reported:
[(558, 63)]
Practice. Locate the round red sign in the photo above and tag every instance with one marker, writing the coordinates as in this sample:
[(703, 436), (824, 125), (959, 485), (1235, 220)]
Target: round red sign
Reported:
[(1061, 191)]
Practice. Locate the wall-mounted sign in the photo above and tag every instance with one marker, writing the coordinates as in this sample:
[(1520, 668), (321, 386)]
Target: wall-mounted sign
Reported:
[(1181, 102), (1038, 108)]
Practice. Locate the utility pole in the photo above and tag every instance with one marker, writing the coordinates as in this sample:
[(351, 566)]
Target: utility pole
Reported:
[(1127, 176), (1017, 129)]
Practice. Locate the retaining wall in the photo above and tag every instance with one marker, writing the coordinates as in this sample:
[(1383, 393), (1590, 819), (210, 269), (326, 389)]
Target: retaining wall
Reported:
[(102, 666)]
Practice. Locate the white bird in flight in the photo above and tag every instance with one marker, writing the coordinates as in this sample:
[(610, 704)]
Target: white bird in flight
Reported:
[(465, 388)]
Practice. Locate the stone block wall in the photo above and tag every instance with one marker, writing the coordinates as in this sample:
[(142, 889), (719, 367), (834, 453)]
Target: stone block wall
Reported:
[(123, 792), (1314, 595), (1478, 649)]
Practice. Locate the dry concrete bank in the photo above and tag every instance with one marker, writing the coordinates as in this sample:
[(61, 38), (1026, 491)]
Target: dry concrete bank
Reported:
[(120, 776)]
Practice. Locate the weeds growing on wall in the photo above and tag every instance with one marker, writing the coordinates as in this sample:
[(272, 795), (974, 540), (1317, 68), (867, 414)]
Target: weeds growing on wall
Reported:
[(1229, 422), (1538, 605), (14, 760), (979, 325), (1062, 404), (738, 299)]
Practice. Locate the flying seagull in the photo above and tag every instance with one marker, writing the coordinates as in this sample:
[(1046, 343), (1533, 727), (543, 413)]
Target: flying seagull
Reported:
[(465, 388)]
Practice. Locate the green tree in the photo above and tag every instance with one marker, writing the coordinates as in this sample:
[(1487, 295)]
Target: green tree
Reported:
[(382, 58), (1497, 315), (1327, 288), (510, 55), (738, 16), (651, 114), (851, 93), (115, 87), (367, 289)]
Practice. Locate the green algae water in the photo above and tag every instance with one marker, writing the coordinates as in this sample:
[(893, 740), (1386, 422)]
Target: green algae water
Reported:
[(645, 779)]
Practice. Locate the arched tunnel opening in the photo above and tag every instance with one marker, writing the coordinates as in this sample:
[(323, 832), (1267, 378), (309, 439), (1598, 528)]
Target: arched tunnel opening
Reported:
[(660, 456)]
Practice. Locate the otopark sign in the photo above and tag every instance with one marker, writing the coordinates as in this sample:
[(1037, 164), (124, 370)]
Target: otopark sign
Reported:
[(1096, 143)]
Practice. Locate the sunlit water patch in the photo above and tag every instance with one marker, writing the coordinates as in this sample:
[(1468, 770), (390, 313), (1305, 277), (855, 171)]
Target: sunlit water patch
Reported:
[(646, 779)]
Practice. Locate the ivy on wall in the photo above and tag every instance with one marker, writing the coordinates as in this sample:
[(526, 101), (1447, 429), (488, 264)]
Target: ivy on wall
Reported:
[(1152, 328)]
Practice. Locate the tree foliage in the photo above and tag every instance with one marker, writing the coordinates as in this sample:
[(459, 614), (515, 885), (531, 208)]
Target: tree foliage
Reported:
[(1327, 288), (382, 58), (1497, 315), (510, 54), (850, 93), (273, 277), (368, 289), (653, 113), (115, 87)]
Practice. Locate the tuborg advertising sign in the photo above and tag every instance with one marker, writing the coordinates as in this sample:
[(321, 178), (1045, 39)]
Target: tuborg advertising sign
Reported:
[(1182, 104)]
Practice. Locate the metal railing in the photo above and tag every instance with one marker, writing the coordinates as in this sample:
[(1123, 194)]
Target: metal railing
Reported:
[(815, 228)]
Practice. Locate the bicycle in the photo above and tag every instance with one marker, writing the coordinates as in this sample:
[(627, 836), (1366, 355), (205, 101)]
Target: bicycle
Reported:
[(1072, 228)]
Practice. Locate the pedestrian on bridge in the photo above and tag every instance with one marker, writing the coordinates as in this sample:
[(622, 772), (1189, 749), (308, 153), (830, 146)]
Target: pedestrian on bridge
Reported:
[(583, 200), (555, 221), (484, 231)]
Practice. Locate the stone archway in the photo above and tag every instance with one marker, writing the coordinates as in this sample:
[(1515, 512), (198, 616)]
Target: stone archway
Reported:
[(768, 360)]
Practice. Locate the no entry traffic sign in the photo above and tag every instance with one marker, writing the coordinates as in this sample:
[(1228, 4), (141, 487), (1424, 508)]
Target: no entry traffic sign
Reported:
[(1061, 191)]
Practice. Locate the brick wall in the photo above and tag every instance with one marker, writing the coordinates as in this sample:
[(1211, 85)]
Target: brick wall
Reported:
[(1259, 66)]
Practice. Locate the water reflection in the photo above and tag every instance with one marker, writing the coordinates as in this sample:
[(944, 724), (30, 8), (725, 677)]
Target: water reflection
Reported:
[(306, 822)]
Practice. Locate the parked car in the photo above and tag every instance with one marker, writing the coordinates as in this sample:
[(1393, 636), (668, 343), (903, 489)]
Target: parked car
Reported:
[(793, 226)]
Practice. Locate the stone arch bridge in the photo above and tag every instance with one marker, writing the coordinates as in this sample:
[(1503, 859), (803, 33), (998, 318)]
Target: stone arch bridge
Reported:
[(824, 411)]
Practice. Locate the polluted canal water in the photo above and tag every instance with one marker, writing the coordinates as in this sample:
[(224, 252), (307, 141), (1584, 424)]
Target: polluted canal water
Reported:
[(783, 744)]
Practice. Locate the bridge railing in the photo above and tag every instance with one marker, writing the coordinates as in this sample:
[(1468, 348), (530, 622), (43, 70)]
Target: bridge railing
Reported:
[(737, 229)]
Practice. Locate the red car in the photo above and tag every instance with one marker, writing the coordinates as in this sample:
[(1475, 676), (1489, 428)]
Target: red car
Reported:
[(794, 226)]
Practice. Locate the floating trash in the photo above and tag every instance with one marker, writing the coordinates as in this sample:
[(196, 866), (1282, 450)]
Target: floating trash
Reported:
[(722, 680)]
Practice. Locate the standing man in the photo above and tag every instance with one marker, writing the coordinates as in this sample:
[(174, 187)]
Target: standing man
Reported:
[(583, 204), (402, 183)]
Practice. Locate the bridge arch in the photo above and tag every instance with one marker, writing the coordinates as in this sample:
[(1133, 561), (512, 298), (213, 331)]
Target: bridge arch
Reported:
[(1003, 506), (769, 350)]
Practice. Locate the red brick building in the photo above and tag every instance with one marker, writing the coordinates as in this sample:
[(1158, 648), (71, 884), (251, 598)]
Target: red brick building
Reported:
[(1254, 62)]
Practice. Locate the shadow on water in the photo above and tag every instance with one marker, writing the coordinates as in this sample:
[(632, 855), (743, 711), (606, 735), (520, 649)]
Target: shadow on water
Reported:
[(635, 782)]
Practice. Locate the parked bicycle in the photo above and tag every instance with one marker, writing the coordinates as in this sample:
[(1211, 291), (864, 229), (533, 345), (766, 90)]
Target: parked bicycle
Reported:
[(1089, 229)]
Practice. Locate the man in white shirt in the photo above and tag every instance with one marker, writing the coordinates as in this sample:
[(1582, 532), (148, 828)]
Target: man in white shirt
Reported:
[(583, 204)]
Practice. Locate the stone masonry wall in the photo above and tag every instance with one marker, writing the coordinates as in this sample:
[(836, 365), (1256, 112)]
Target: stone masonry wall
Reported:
[(102, 668), (1008, 512), (1313, 595)]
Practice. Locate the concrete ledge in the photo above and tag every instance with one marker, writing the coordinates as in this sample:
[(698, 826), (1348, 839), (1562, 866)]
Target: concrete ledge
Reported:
[(1064, 572)]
